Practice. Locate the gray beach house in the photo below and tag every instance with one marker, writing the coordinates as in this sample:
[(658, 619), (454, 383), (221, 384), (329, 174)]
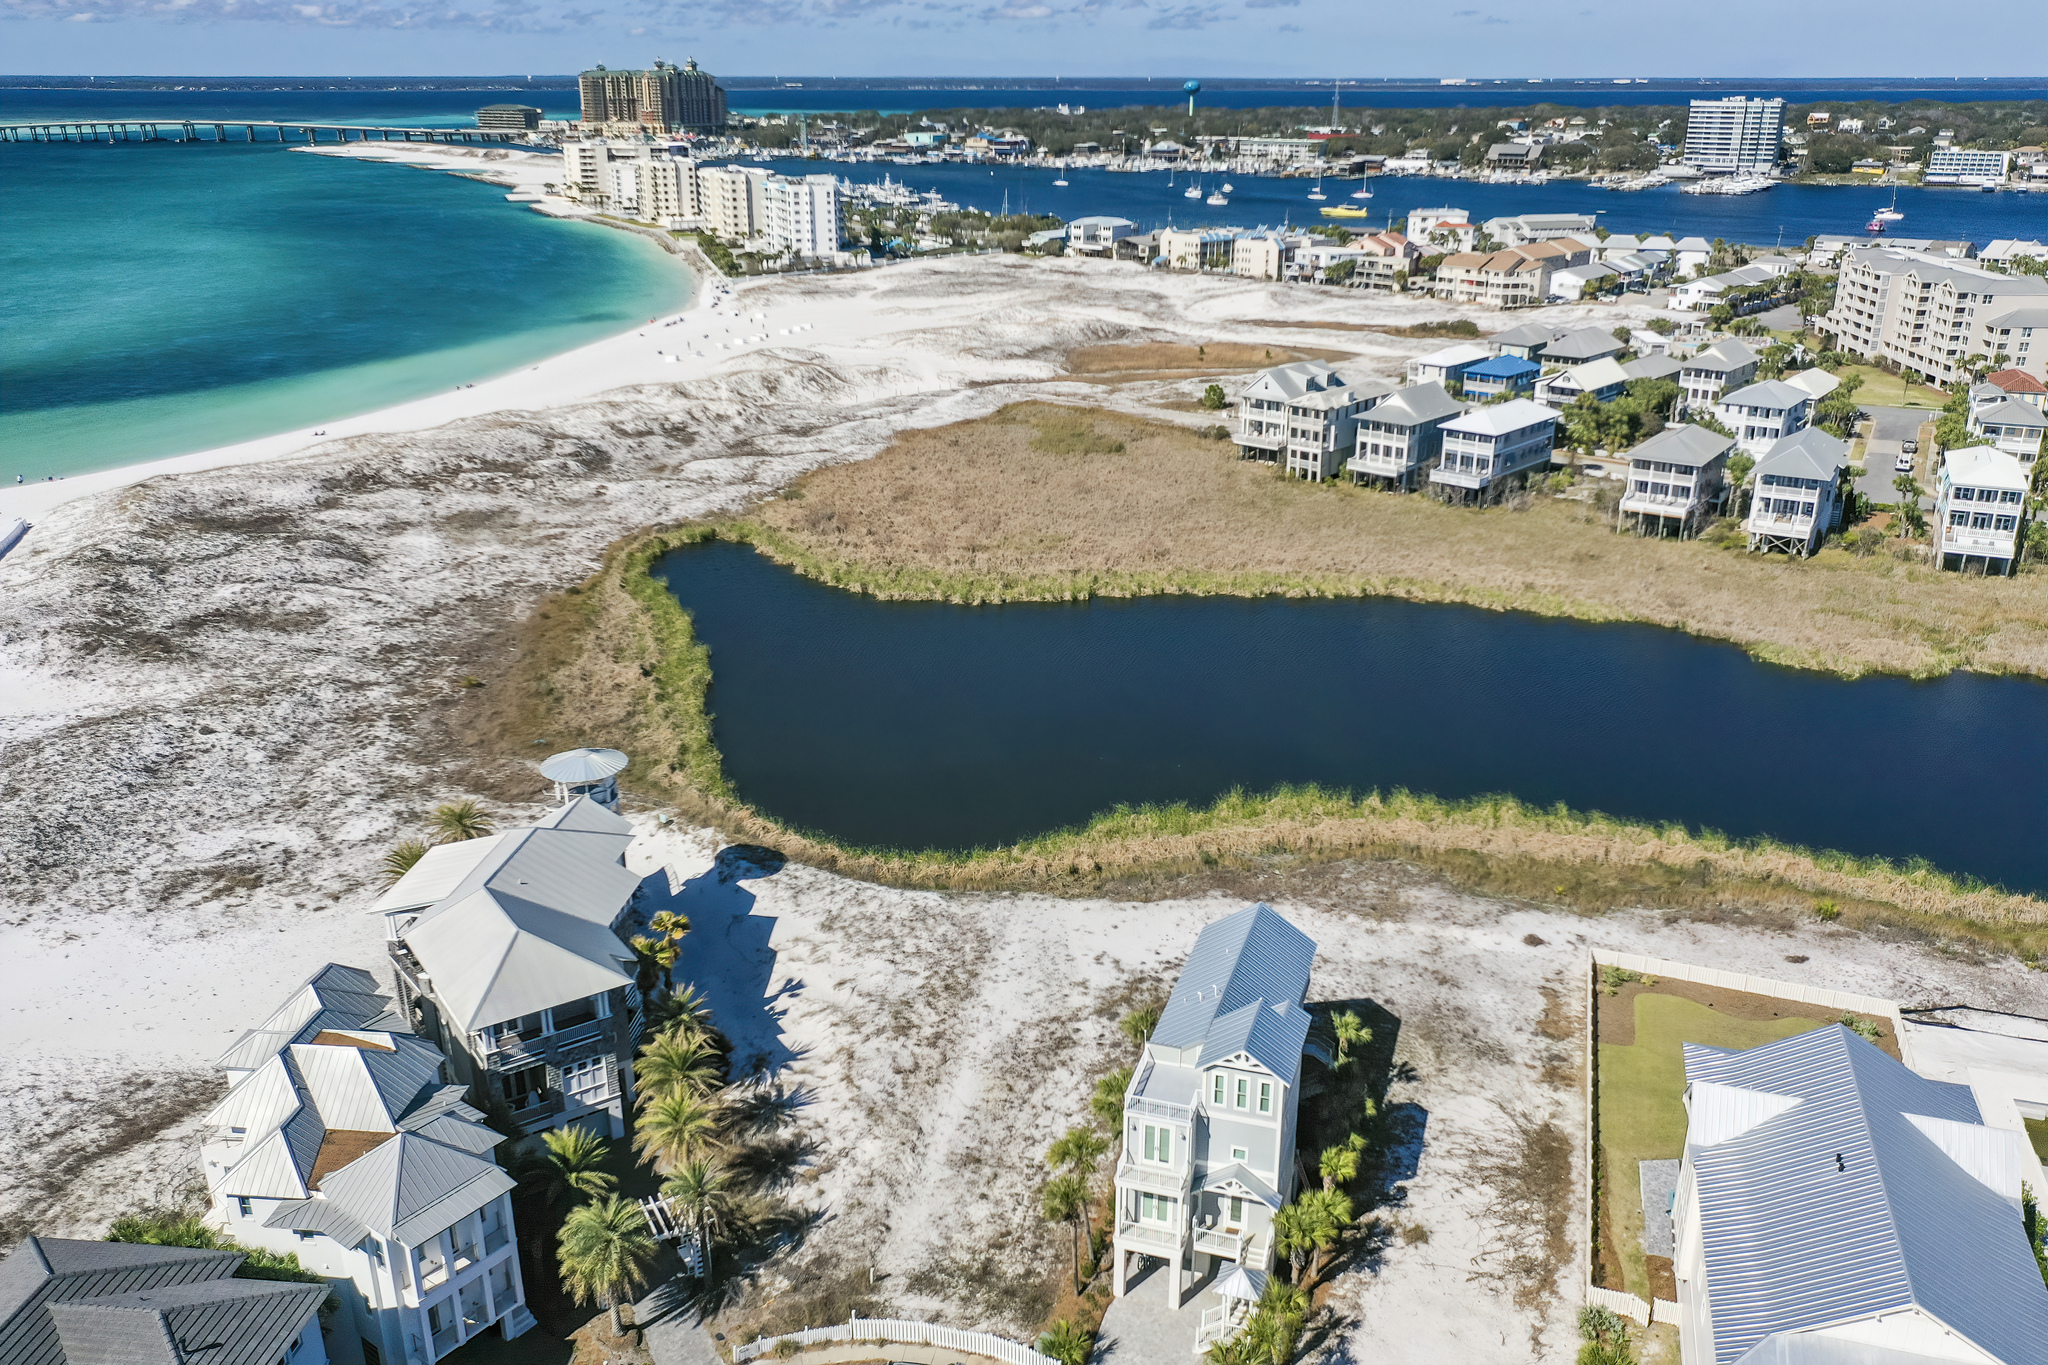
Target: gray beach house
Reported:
[(1209, 1118)]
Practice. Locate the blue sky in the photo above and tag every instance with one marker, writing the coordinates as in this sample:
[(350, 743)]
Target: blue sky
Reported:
[(1296, 38)]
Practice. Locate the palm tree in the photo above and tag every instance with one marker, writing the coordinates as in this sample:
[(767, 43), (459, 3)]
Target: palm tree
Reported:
[(676, 1128), (401, 859), (655, 958), (1329, 1214), (1108, 1101), (1350, 1030), (672, 1064), (1139, 1023), (685, 1011), (604, 1251), (1066, 1343), (459, 820), (697, 1190), (575, 1164), (1079, 1152), (1064, 1200), (1340, 1164)]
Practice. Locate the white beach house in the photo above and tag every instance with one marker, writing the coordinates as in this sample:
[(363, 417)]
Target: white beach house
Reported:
[(2010, 425), (1402, 437), (1760, 413), (1675, 480), (1447, 366), (1490, 449), (1605, 379), (1209, 1117), (1980, 510), (1719, 368), (1834, 1207), (509, 956), (343, 1140), (1304, 416), (1798, 497)]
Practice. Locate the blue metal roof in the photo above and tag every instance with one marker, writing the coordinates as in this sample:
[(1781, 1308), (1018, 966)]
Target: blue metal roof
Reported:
[(1241, 992), (1832, 1187), (1502, 367)]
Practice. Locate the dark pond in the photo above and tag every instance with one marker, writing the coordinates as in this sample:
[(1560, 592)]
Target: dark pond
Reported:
[(923, 725)]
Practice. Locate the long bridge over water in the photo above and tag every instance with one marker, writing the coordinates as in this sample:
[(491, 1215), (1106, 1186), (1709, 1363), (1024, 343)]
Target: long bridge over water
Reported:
[(211, 130)]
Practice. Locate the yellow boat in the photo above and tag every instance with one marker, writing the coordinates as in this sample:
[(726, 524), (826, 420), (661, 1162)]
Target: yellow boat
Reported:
[(1341, 211)]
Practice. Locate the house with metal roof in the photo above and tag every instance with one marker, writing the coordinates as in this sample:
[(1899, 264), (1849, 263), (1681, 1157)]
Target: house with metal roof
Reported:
[(1798, 497), (1980, 510), (1604, 378), (1492, 449), (1527, 340), (342, 1140), (1400, 439), (1500, 374), (1447, 365), (65, 1302), (509, 956), (1304, 416), (1834, 1207), (2010, 425), (1712, 372), (1676, 480), (1762, 412), (1578, 346), (1209, 1116)]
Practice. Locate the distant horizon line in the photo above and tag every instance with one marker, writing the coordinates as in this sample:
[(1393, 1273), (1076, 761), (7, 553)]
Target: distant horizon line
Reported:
[(1051, 81)]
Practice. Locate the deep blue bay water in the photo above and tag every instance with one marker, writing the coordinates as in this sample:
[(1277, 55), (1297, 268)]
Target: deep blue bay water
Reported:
[(927, 725)]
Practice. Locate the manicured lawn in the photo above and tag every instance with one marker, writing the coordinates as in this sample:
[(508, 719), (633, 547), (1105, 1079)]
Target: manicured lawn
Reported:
[(1642, 1108), (1889, 391)]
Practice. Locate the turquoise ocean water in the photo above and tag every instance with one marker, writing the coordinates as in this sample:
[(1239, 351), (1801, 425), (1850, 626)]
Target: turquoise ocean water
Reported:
[(158, 299)]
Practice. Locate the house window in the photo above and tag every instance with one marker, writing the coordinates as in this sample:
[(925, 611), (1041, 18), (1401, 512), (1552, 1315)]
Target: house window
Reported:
[(574, 1013), (2006, 523), (1265, 1097), (1243, 1092), (1158, 1144), (244, 1206), (1236, 1212), (585, 1081), (1154, 1208), (526, 1086), (1216, 1088), (1239, 1154)]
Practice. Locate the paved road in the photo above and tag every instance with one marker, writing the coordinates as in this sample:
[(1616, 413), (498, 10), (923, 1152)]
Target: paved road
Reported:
[(1889, 427)]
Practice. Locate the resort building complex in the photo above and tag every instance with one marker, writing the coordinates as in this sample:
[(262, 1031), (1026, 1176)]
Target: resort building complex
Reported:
[(344, 1140), (662, 99), (1734, 136), (1932, 315), (1209, 1117)]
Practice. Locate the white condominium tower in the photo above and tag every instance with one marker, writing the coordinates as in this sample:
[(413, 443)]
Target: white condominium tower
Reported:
[(1734, 136)]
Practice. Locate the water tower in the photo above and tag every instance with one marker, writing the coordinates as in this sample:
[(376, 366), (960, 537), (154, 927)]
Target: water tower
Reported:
[(1193, 89), (586, 772)]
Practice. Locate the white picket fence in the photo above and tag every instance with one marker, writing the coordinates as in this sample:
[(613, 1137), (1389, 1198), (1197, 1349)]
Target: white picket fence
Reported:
[(905, 1333), (1629, 1306)]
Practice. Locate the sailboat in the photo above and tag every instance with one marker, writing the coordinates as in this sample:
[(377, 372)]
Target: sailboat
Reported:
[(1361, 192), (1218, 199), (1229, 188), (1193, 191), (1317, 192), (1062, 181), (1892, 214)]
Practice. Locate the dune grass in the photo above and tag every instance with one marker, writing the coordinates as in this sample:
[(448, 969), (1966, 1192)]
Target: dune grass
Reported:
[(1006, 509)]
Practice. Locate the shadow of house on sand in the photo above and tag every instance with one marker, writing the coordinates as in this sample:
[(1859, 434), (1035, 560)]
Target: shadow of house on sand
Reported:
[(728, 958)]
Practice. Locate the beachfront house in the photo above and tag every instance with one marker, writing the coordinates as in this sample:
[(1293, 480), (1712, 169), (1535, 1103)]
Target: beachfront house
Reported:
[(1820, 1153), (1492, 449), (509, 957), (1797, 500), (1402, 436), (1304, 416), (1762, 412), (2010, 425), (1691, 254), (1675, 480), (2018, 383), (1980, 510), (1098, 234), (1500, 374), (1605, 379), (1447, 366), (1652, 367), (1196, 249), (65, 1302), (1528, 228), (344, 1140), (1209, 1116), (1442, 229), (1579, 346), (1526, 341), (1723, 366), (1582, 281)]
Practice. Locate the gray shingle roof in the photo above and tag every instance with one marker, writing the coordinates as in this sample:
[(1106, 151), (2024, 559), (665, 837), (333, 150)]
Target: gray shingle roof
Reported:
[(1241, 992), (217, 1322), (1687, 445), (2009, 412), (1414, 405), (1769, 393), (1584, 343), (1808, 453), (1651, 367), (1834, 1185), (1722, 357), (46, 1270), (1527, 334)]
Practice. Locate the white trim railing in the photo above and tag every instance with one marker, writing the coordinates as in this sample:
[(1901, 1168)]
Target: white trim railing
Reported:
[(897, 1331)]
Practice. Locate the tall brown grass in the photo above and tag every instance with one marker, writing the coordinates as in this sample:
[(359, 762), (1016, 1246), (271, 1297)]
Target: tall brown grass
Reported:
[(976, 512)]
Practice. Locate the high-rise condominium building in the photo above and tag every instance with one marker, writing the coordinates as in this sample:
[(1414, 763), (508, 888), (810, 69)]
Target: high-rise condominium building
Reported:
[(1734, 136), (662, 99)]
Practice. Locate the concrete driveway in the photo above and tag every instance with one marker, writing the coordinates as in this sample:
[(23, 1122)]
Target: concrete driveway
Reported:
[(1890, 427)]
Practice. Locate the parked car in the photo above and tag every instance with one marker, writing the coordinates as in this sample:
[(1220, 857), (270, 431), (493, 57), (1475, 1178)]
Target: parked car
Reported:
[(1904, 464), (1910, 446)]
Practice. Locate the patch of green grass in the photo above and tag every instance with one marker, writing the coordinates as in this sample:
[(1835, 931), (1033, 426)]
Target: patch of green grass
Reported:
[(1642, 1109), (1072, 433)]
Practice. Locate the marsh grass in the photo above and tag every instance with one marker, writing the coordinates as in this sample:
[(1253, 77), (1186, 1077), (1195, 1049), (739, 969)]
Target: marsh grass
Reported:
[(1149, 357), (999, 510)]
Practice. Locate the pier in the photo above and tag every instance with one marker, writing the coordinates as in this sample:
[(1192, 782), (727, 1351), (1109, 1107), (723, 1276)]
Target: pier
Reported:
[(241, 130)]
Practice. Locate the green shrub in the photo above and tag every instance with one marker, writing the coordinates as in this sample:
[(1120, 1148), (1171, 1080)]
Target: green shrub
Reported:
[(1862, 1028), (1213, 398), (1827, 911)]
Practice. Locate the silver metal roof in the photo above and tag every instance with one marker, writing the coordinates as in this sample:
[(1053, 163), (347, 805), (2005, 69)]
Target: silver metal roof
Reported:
[(1686, 445), (1769, 393), (1241, 992), (1414, 405), (1722, 357), (2010, 412), (1835, 1185), (1582, 343), (583, 765), (1498, 419), (1808, 453)]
